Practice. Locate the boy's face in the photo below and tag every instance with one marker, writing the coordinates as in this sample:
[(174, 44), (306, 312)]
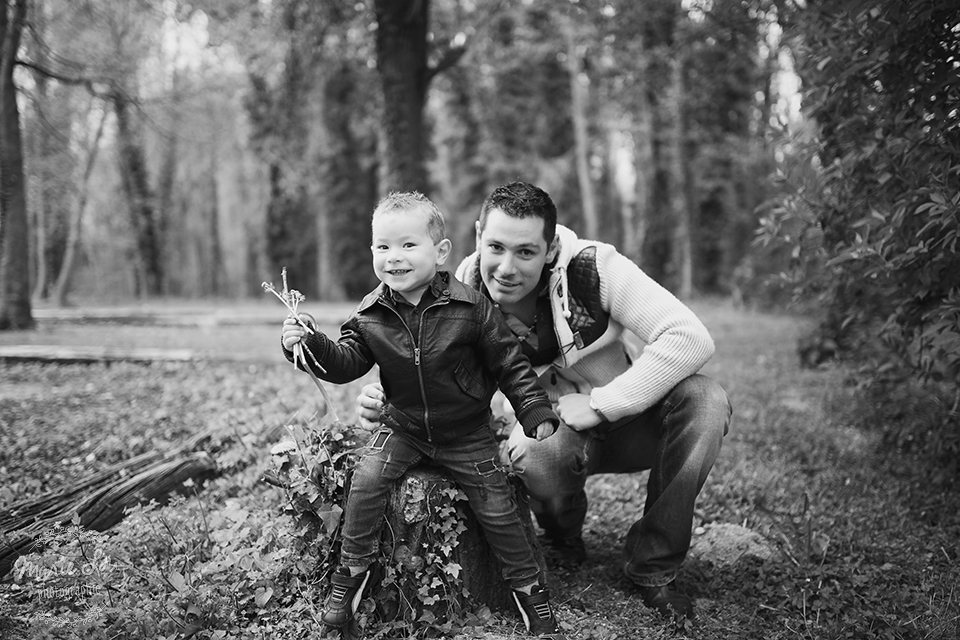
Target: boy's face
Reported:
[(513, 253), (405, 257)]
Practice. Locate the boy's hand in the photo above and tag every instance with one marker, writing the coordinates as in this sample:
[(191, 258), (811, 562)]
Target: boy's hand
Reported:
[(292, 333), (369, 403), (544, 430)]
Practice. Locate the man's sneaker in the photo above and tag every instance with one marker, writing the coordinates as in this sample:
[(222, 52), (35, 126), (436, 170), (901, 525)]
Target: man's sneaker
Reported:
[(537, 615), (564, 553), (346, 591), (668, 601)]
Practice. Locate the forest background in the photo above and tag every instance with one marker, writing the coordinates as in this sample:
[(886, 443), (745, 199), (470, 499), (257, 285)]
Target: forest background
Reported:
[(777, 153), (772, 150), (769, 150)]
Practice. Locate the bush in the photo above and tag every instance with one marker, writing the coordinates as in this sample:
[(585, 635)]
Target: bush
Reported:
[(872, 225)]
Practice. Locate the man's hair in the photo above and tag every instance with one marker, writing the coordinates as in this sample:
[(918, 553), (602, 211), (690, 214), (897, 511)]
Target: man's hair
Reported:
[(522, 200), (414, 202)]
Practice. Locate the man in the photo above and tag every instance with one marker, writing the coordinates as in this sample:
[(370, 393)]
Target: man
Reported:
[(569, 301)]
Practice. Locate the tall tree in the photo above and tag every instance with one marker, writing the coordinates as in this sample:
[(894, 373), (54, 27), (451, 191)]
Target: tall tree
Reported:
[(405, 73), (132, 165), (401, 44), (578, 112), (15, 311), (61, 290), (679, 204)]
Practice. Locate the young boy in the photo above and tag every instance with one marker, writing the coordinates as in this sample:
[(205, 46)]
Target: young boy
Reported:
[(442, 349)]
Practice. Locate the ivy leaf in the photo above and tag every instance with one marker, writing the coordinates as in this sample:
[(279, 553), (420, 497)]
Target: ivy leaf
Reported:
[(453, 569), (263, 596), (177, 580), (330, 517)]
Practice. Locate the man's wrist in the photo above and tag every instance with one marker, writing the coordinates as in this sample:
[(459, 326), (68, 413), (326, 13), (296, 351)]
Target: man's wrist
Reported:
[(596, 409)]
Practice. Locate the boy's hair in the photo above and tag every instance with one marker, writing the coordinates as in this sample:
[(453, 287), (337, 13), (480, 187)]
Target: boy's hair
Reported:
[(414, 202), (522, 200)]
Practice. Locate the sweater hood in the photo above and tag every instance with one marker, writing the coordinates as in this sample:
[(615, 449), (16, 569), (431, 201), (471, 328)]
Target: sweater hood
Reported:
[(566, 247)]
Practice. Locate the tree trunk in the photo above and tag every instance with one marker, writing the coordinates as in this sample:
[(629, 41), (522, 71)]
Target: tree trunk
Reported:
[(62, 289), (15, 311), (623, 190), (133, 176), (578, 96), (682, 256), (40, 144), (331, 151), (39, 200), (215, 266), (404, 76), (644, 170)]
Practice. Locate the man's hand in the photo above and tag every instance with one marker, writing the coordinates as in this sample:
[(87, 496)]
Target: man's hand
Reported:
[(574, 409), (544, 430), (369, 403)]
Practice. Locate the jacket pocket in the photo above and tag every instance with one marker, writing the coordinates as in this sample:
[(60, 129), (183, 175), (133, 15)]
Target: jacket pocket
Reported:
[(468, 383)]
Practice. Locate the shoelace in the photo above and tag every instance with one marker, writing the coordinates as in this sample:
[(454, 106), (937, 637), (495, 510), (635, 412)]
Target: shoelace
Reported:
[(542, 610), (339, 591)]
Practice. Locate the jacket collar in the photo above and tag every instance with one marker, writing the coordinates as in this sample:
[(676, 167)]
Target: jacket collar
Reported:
[(444, 287)]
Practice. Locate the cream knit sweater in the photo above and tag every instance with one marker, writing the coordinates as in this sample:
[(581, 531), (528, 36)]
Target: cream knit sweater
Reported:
[(620, 381)]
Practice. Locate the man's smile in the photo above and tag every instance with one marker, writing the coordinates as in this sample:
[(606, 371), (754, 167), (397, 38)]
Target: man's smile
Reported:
[(505, 284)]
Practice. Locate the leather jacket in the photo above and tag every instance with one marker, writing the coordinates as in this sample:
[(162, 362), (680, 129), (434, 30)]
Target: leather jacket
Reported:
[(438, 383)]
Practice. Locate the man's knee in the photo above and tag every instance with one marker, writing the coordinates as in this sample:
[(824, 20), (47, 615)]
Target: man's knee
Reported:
[(706, 398), (548, 468)]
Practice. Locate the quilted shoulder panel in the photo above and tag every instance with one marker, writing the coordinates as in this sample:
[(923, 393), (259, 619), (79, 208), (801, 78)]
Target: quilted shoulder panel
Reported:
[(587, 315)]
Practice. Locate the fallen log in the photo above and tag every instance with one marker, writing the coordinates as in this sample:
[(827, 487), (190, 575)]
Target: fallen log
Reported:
[(85, 355), (101, 500)]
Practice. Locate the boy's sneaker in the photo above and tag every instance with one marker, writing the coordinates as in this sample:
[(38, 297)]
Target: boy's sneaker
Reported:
[(346, 591), (537, 615)]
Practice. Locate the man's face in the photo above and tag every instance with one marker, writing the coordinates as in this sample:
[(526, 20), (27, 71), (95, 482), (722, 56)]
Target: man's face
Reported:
[(513, 253)]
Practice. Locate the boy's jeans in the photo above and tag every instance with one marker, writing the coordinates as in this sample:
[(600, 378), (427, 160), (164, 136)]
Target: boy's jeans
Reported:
[(677, 439), (474, 463)]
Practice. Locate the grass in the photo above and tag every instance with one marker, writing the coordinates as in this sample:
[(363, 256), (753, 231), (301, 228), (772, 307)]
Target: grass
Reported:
[(864, 529)]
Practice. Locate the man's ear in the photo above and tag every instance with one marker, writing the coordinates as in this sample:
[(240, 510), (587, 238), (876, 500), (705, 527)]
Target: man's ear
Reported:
[(476, 225), (443, 251), (553, 248)]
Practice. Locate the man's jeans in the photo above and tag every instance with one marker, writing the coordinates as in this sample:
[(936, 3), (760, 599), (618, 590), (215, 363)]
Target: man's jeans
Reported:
[(678, 440), (474, 463)]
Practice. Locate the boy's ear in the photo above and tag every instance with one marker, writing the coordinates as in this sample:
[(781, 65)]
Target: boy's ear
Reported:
[(476, 225), (443, 251)]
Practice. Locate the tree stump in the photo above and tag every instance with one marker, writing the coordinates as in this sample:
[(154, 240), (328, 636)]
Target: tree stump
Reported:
[(418, 529)]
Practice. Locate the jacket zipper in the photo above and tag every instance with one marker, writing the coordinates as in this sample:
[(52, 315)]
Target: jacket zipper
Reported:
[(416, 361)]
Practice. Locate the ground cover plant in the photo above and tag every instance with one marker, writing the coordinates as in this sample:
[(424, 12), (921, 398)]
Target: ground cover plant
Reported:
[(860, 513)]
